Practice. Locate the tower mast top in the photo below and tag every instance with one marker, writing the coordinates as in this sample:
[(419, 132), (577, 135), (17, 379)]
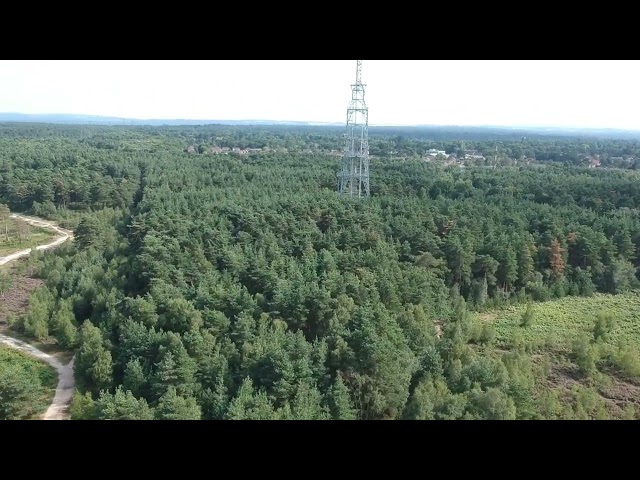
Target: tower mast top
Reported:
[(359, 73)]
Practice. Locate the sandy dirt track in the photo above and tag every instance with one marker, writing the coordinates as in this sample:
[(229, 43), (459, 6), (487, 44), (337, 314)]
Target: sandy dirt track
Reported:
[(36, 222), (59, 408)]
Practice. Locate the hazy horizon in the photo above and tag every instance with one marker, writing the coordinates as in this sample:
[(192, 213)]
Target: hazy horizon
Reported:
[(570, 94)]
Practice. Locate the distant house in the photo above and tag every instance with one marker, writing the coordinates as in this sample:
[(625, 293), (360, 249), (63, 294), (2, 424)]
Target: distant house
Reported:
[(240, 151), (594, 162), (434, 153), (473, 154)]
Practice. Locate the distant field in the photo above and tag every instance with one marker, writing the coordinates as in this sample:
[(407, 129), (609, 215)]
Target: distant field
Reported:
[(31, 237), (560, 321), (34, 382)]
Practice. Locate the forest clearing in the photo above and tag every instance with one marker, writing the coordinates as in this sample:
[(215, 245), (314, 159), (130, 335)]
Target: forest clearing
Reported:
[(16, 235), (559, 322), (587, 347)]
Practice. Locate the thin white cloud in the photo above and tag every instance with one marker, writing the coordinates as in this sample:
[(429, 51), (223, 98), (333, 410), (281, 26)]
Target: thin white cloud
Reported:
[(570, 93)]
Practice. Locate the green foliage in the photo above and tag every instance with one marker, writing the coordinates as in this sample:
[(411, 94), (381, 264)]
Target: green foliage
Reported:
[(26, 385), (122, 405), (386, 362), (629, 413), (340, 403), (83, 407), (63, 324), (432, 400), (528, 316), (487, 334), (605, 323), (627, 359), (93, 364), (6, 282), (36, 322), (306, 405), (588, 405), (249, 405), (549, 406), (135, 379), (585, 355), (492, 404), (173, 407)]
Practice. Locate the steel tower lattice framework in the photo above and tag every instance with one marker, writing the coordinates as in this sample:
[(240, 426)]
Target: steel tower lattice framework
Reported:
[(353, 178)]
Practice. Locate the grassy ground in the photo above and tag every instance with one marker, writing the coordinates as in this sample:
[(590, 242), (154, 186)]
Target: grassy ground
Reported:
[(44, 377), (32, 237), (559, 322), (610, 388)]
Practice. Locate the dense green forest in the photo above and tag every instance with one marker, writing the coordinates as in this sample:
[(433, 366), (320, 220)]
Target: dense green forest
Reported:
[(242, 287)]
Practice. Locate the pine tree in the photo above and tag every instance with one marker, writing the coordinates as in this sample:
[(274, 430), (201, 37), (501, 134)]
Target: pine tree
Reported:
[(525, 264), (604, 324), (36, 321), (247, 405), (82, 407), (134, 378), (556, 259), (166, 375), (102, 370), (307, 404), (215, 402), (339, 400), (528, 316), (93, 364), (63, 323), (173, 407), (122, 405)]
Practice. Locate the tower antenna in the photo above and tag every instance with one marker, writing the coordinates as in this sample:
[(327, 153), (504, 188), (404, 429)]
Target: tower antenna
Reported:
[(353, 178)]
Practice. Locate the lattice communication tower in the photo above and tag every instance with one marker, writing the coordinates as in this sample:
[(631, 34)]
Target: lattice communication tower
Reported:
[(353, 178)]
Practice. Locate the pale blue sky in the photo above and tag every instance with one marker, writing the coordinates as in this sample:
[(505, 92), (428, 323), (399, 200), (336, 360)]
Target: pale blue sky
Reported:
[(559, 93)]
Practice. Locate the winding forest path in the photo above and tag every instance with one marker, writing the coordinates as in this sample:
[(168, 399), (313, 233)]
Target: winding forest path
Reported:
[(59, 408), (37, 222)]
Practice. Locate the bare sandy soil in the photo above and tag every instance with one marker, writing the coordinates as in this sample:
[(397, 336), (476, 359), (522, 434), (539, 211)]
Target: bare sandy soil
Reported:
[(59, 408), (36, 222)]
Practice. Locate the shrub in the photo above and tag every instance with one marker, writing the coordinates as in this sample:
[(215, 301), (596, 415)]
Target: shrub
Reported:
[(527, 317), (604, 324)]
